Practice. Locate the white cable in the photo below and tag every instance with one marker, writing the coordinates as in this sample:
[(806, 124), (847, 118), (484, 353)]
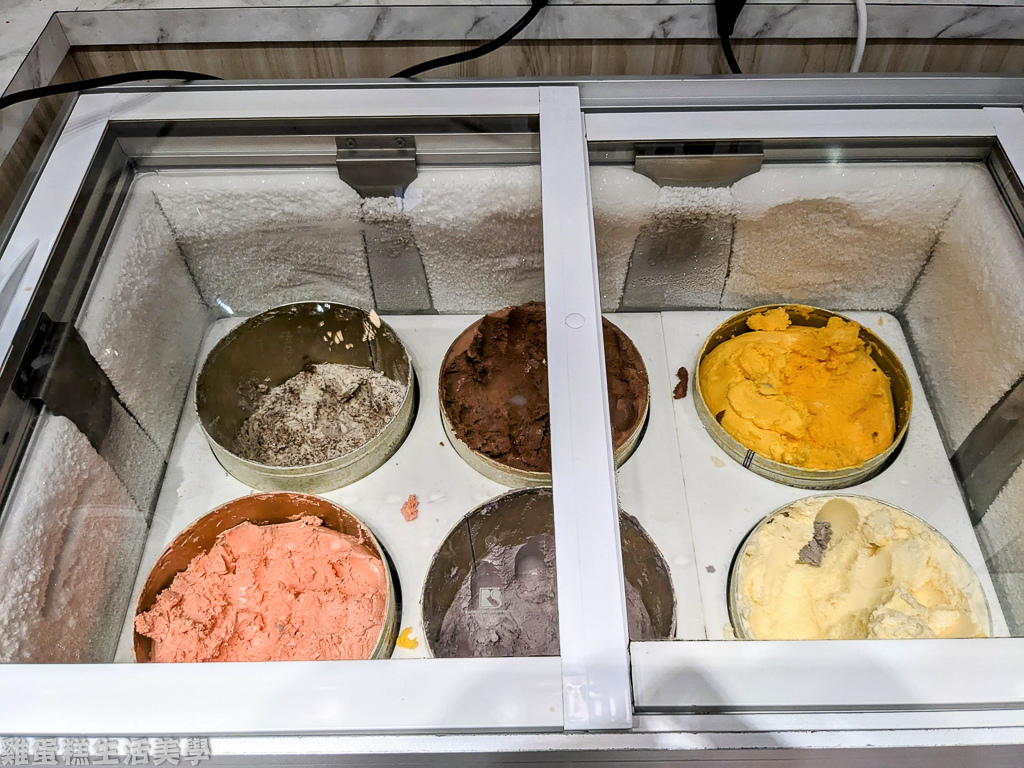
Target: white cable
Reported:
[(862, 34)]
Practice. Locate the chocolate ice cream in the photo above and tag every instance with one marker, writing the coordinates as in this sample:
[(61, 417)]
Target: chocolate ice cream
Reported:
[(494, 387)]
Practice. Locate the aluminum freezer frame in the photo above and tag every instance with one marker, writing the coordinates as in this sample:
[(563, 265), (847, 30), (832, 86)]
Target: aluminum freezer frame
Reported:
[(586, 688), (589, 686)]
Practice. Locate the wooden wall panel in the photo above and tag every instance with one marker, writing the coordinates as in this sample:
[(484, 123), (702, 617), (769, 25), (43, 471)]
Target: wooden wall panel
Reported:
[(530, 58), (558, 58), (14, 167)]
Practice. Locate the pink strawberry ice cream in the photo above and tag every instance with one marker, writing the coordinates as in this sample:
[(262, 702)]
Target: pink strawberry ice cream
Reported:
[(288, 592)]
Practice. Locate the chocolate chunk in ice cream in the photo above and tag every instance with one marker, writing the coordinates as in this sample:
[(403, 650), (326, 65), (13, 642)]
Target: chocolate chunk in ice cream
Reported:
[(812, 552)]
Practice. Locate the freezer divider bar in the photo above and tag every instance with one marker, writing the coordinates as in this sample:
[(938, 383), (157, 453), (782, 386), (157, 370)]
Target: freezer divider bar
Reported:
[(591, 594)]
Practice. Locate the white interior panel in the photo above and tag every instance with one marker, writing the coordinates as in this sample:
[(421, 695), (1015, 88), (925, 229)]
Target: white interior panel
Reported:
[(257, 239), (848, 235), (144, 318), (964, 315), (69, 550)]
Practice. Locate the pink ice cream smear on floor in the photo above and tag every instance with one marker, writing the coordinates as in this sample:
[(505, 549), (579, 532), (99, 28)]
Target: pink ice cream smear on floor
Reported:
[(411, 508), (287, 592)]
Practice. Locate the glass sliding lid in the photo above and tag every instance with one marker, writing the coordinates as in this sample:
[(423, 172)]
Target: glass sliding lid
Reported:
[(828, 306), (278, 396), (518, 411)]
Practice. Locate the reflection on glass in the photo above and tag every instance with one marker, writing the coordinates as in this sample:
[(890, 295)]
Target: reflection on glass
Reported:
[(925, 255), (193, 255)]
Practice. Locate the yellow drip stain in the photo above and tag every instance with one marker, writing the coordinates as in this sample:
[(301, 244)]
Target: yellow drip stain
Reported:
[(406, 640)]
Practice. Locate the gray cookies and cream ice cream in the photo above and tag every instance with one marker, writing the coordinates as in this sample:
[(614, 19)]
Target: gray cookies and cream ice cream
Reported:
[(321, 413)]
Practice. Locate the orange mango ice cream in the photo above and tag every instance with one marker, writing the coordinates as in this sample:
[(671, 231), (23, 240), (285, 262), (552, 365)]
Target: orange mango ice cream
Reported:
[(808, 397), (288, 592)]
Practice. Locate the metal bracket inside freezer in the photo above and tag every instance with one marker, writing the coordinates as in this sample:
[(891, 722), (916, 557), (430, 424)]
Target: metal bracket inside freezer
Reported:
[(698, 163), (377, 165), (397, 276), (60, 372), (992, 452), (75, 387)]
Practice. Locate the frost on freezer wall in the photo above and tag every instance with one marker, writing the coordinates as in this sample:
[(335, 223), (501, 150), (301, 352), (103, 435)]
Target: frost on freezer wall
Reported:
[(1001, 532), (851, 236), (623, 203), (839, 236), (480, 235), (144, 319), (964, 314), (254, 240), (68, 554)]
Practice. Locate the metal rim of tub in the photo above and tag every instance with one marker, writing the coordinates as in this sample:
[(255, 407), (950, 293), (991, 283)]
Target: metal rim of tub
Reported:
[(787, 474), (270, 509), (514, 477), (384, 352), (647, 570), (736, 619)]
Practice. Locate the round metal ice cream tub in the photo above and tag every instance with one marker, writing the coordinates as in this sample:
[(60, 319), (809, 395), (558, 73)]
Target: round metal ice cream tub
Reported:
[(740, 620), (513, 519), (800, 477), (270, 348), (262, 509), (517, 477)]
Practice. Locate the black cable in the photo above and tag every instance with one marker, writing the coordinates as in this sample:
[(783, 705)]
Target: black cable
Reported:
[(536, 7), (730, 58), (98, 82), (726, 13)]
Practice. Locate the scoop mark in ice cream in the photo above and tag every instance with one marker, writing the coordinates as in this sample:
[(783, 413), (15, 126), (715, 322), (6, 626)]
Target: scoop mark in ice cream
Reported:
[(508, 605), (495, 387), (888, 576), (286, 592), (807, 397)]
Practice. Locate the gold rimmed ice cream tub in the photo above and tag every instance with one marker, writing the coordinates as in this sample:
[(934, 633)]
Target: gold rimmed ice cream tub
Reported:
[(899, 616), (787, 474), (262, 509), (273, 346), (519, 477)]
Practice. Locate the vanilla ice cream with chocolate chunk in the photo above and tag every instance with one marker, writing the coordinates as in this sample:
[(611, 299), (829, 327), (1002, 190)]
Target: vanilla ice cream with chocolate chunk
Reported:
[(872, 572)]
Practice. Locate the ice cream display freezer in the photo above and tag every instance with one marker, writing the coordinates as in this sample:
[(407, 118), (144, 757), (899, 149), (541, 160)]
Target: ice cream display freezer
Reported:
[(520, 421)]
